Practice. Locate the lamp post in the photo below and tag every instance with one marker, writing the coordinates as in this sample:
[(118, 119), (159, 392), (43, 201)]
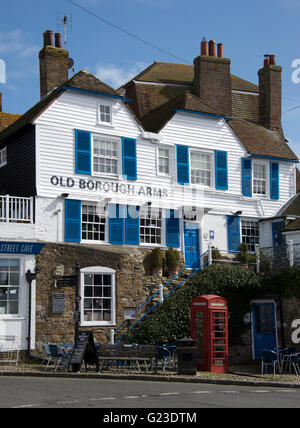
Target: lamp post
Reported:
[(30, 276)]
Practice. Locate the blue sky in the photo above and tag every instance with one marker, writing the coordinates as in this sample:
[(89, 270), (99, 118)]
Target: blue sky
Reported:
[(248, 30)]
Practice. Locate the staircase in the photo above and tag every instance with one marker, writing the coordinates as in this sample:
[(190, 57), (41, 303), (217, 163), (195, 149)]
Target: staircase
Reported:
[(155, 300)]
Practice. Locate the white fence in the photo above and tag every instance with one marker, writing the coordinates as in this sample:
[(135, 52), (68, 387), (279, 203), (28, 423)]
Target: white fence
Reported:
[(14, 209)]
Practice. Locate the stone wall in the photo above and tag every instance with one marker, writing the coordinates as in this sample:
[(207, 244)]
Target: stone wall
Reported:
[(134, 285)]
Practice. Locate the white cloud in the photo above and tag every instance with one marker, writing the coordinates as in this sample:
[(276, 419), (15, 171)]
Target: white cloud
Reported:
[(116, 76)]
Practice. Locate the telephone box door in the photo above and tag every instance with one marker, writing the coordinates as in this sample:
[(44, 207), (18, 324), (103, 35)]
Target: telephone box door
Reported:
[(198, 333), (219, 341)]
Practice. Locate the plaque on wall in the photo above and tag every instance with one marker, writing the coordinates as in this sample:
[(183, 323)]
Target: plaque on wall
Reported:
[(58, 303)]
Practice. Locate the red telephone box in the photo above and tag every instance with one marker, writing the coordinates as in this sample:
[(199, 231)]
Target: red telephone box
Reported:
[(209, 327)]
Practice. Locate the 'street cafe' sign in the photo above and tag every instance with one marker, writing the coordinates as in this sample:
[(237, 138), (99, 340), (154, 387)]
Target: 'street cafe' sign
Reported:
[(109, 187)]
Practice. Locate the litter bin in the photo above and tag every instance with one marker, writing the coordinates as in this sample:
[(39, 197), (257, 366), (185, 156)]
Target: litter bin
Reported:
[(186, 356)]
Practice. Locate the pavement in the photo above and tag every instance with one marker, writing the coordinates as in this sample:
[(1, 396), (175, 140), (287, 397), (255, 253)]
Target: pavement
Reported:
[(243, 375)]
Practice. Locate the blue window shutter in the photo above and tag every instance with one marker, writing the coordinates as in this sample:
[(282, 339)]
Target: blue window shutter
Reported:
[(132, 226), (246, 177), (221, 168), (172, 229), (274, 180), (234, 234), (116, 224), (72, 220), (183, 174), (83, 156), (129, 158)]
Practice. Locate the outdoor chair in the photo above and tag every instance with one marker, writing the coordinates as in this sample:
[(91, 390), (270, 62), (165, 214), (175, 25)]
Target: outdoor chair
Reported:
[(270, 359), (163, 355), (46, 346), (9, 349), (59, 357), (171, 360), (286, 359), (293, 361)]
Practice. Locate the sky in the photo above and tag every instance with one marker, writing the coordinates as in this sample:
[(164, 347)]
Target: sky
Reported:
[(153, 30)]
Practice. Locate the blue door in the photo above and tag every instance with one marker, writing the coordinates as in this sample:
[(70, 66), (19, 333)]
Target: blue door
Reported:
[(191, 245), (263, 327)]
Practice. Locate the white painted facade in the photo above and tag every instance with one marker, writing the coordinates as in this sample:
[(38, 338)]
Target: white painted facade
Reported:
[(55, 129)]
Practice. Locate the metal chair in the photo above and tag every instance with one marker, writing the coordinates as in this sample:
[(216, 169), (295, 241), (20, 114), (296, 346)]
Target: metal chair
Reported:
[(286, 359), (163, 354), (171, 360), (46, 346), (269, 359), (58, 356), (10, 348)]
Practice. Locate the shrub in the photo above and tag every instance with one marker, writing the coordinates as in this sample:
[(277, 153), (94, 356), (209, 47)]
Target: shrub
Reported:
[(172, 321), (156, 258), (172, 258)]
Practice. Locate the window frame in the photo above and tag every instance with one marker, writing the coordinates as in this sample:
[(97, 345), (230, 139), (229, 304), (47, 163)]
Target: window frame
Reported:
[(18, 314), (212, 165), (267, 180), (106, 232), (249, 220), (103, 122), (3, 156), (98, 270), (162, 229), (112, 139), (159, 173)]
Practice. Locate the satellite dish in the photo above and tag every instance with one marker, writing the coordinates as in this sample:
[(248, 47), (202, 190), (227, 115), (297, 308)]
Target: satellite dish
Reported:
[(71, 63)]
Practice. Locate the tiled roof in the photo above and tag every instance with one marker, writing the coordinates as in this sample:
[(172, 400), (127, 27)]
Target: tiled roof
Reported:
[(7, 119), (158, 117), (165, 72), (246, 106), (292, 208), (293, 226), (81, 80), (259, 140)]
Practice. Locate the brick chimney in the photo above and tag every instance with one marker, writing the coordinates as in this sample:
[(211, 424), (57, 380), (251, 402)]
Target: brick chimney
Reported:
[(54, 63), (212, 79), (270, 94)]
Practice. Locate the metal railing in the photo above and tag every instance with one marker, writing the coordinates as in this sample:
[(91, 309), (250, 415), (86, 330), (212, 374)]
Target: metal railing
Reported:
[(14, 209), (189, 272)]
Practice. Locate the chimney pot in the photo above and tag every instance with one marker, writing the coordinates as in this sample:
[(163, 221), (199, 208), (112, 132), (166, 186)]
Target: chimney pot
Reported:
[(272, 60), (266, 62), (58, 43), (220, 50), (48, 38), (204, 47), (212, 48)]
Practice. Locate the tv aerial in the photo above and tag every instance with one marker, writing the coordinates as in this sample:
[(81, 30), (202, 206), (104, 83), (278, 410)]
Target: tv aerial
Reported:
[(64, 24)]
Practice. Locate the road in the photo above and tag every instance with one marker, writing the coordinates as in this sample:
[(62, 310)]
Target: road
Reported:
[(31, 392)]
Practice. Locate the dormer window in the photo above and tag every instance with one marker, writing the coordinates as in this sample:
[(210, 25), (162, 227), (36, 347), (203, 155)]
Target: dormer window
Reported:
[(105, 114)]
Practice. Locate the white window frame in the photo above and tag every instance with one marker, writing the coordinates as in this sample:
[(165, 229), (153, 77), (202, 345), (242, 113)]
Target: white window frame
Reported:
[(163, 230), (3, 157), (267, 166), (18, 314), (251, 220), (104, 122), (212, 165), (169, 149), (113, 139), (91, 241), (98, 270)]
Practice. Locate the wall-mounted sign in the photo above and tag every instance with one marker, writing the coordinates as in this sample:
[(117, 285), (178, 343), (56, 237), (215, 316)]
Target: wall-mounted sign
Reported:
[(130, 313), (108, 186), (211, 234), (58, 303), (20, 247)]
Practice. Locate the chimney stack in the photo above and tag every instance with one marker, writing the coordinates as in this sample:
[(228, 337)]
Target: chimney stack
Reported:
[(270, 94), (54, 63), (212, 78)]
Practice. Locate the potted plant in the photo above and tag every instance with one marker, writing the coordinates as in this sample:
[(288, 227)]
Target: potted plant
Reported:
[(243, 256), (156, 260), (172, 261)]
